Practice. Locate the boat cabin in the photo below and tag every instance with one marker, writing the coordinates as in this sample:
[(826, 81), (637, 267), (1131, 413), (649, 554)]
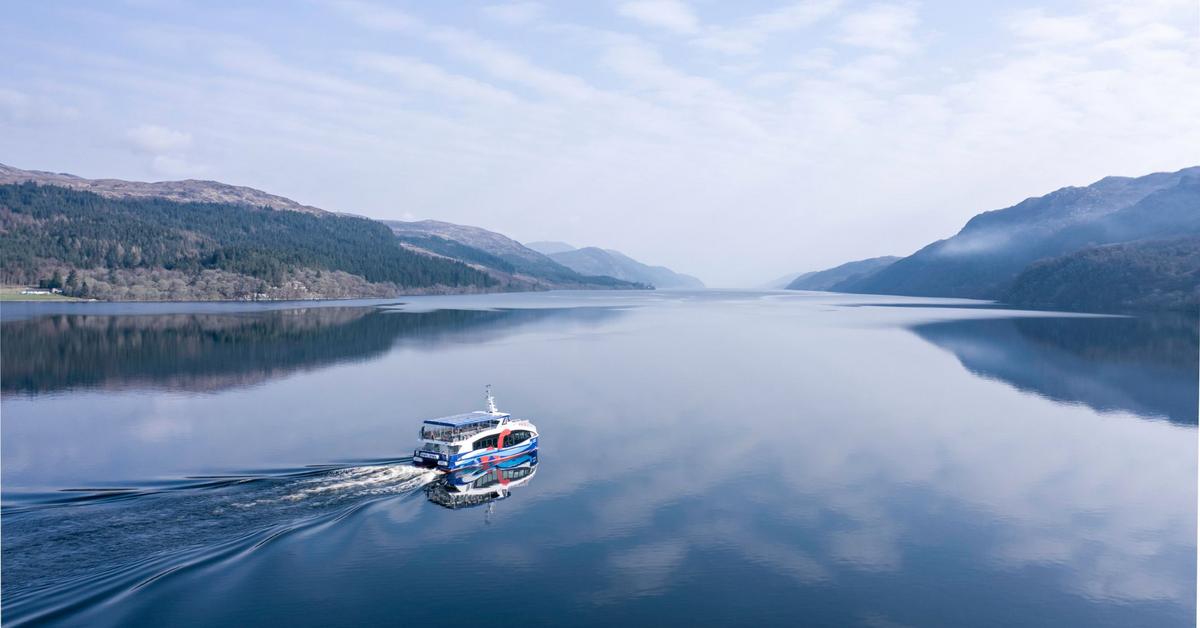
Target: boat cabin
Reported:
[(460, 427)]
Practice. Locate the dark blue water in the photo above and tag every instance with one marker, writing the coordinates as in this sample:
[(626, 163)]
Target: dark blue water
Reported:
[(711, 458)]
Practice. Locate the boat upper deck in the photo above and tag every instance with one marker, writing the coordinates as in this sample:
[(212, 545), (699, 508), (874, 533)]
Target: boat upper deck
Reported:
[(461, 426)]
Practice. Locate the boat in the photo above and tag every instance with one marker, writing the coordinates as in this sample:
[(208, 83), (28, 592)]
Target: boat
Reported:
[(476, 486), (474, 439)]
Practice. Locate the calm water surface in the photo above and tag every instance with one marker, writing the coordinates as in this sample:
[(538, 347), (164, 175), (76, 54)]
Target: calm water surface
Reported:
[(712, 458)]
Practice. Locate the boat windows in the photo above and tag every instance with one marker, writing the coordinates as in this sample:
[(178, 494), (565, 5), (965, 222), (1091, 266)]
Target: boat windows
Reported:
[(446, 433), (486, 441), (441, 448), (517, 437)]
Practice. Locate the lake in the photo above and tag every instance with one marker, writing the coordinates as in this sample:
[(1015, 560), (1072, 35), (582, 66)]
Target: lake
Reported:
[(710, 458)]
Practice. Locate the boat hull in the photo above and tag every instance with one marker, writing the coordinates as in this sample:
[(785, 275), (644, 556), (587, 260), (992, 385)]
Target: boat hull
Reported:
[(475, 458)]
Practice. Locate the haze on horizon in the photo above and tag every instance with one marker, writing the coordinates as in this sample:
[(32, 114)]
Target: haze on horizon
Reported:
[(733, 141)]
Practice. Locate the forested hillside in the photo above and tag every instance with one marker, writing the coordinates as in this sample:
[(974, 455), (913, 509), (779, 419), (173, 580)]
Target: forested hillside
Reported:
[(1148, 274), (984, 258), (92, 245)]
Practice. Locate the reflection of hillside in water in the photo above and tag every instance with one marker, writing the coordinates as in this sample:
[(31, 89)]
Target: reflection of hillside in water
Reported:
[(1144, 365), (204, 352)]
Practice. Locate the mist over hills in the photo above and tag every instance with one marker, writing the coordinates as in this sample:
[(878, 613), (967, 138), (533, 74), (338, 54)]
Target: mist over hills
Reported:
[(593, 260), (994, 254)]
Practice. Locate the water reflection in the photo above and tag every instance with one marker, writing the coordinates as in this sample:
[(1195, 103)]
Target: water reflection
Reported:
[(1143, 365), (486, 484), (216, 351), (727, 461)]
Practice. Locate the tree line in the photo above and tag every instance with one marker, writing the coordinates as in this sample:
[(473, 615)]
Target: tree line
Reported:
[(46, 230)]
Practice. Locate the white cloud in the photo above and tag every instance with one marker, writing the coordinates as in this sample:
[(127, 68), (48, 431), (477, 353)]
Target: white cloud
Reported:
[(881, 27), (1038, 29), (419, 75), (510, 66), (672, 15), (151, 138), (13, 104), (376, 16), (748, 36), (516, 13)]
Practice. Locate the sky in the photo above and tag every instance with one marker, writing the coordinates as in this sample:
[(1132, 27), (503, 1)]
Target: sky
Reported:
[(736, 141)]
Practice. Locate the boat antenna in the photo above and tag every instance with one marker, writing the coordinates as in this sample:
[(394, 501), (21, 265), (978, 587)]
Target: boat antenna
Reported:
[(491, 401)]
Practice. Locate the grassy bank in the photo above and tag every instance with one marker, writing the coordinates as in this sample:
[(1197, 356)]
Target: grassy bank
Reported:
[(13, 293)]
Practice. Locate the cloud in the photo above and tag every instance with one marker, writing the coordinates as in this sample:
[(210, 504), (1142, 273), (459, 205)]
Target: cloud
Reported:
[(375, 16), (1035, 28), (516, 13), (672, 15), (175, 167), (167, 150), (419, 75), (151, 138), (748, 36), (882, 27), (505, 64), (13, 104)]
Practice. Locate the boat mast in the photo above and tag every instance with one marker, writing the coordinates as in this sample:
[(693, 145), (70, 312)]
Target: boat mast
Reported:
[(491, 401)]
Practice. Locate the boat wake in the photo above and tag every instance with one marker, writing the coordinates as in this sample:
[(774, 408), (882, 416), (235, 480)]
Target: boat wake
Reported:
[(67, 551)]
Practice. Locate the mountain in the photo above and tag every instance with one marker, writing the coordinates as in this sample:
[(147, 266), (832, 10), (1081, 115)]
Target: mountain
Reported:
[(781, 283), (596, 261), (190, 190), (550, 248), (501, 256), (850, 271), (994, 247), (1141, 275), (150, 248)]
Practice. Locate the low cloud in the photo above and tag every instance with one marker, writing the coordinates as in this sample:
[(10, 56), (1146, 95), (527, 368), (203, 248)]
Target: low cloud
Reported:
[(167, 149), (151, 138)]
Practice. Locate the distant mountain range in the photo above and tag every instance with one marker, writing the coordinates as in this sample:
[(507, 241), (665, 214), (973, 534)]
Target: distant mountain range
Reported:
[(597, 261), (500, 256), (204, 240), (827, 279), (1027, 254), (781, 283), (550, 248)]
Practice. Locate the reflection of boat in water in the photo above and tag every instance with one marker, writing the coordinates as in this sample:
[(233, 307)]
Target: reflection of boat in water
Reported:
[(474, 438), (485, 484)]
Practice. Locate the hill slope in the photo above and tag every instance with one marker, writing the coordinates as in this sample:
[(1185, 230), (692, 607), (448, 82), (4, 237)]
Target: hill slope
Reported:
[(1142, 275), (501, 254), (189, 190), (149, 248), (994, 247), (829, 278), (597, 261), (550, 247)]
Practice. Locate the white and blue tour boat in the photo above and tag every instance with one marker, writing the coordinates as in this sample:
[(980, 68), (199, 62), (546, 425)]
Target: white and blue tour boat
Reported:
[(474, 438)]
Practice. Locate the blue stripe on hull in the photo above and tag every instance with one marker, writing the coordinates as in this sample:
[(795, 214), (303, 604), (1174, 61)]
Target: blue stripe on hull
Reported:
[(475, 458)]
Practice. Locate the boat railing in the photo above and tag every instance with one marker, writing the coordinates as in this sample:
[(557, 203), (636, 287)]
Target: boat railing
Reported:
[(455, 434)]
